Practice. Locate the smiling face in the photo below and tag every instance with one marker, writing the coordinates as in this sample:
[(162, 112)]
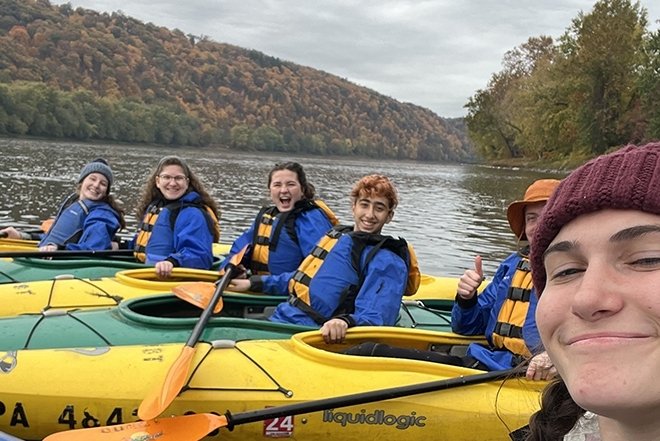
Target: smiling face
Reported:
[(285, 189), (94, 187), (172, 182), (371, 213), (599, 315)]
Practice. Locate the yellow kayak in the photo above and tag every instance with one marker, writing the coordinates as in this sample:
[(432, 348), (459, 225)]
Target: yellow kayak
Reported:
[(17, 244), (46, 391), (219, 249), (67, 292)]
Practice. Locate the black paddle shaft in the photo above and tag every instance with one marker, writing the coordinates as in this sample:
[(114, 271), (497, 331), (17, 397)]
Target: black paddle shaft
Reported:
[(366, 397), (67, 253), (206, 314)]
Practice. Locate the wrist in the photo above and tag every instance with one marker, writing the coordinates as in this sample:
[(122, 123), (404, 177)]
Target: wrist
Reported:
[(346, 318), (256, 284), (466, 303)]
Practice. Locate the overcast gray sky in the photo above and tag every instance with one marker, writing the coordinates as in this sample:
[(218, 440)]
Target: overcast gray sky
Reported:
[(433, 53)]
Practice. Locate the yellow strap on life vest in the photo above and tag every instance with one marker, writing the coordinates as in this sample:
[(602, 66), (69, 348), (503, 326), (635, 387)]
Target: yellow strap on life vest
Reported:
[(299, 283), (146, 227), (328, 212), (214, 219), (513, 313), (260, 247), (414, 275), (262, 243)]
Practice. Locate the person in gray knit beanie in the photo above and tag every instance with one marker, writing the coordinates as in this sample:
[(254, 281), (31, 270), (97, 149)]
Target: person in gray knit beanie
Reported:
[(596, 266), (98, 165), (86, 220)]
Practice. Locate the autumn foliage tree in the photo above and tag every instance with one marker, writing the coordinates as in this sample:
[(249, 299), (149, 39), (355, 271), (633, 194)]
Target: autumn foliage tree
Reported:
[(594, 89), (82, 74)]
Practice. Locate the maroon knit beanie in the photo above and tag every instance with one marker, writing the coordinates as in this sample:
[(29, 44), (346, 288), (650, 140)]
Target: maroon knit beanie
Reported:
[(626, 179)]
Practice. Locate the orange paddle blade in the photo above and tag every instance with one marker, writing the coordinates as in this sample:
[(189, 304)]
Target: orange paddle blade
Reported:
[(198, 294), (189, 427), (45, 225), (164, 394)]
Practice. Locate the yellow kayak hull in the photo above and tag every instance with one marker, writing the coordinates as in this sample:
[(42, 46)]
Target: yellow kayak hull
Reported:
[(100, 386), (66, 292), (27, 245), (17, 245)]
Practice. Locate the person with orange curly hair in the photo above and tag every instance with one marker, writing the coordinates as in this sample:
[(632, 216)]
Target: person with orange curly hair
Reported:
[(355, 275)]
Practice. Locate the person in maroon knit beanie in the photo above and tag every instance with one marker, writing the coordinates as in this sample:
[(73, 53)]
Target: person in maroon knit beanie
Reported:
[(596, 267)]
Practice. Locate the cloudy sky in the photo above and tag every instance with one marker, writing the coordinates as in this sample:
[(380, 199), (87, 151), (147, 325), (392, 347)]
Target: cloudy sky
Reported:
[(433, 53)]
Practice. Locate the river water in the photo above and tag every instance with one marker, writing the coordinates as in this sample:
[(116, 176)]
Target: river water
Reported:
[(449, 212)]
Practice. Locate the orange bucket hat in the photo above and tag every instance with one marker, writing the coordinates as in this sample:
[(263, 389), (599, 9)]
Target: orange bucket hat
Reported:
[(539, 191)]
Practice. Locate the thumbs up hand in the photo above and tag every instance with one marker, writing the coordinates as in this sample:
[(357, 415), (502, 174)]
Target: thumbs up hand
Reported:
[(471, 279)]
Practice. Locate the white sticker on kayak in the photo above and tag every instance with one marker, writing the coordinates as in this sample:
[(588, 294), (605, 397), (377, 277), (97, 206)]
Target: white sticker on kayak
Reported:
[(280, 427)]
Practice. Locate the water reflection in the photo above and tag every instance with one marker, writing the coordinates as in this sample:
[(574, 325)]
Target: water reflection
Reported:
[(449, 212)]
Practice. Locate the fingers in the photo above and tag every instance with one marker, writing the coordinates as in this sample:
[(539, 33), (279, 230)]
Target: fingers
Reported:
[(10, 232), (478, 266), (164, 269), (541, 368), (471, 279), (239, 285), (334, 331)]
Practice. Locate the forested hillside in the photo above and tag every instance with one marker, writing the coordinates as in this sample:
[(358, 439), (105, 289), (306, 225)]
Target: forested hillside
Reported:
[(596, 88), (87, 75)]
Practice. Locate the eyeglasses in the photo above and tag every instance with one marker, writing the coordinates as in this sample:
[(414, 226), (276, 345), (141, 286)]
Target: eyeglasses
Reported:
[(178, 179)]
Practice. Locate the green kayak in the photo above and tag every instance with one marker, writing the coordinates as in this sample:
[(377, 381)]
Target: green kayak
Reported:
[(30, 269), (165, 318)]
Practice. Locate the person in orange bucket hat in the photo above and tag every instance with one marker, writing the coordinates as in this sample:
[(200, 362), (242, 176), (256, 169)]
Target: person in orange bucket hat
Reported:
[(539, 192), (504, 311)]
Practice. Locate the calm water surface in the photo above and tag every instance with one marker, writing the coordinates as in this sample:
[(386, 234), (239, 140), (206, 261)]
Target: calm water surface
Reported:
[(448, 212)]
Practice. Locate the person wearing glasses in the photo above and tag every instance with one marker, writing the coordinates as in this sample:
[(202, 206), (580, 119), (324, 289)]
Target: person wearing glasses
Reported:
[(179, 220)]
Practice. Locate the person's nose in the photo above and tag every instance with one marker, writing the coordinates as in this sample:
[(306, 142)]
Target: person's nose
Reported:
[(598, 294)]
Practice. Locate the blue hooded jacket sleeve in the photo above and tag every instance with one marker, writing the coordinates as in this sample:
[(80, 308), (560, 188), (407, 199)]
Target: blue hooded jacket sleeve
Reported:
[(99, 228), (474, 320), (239, 243)]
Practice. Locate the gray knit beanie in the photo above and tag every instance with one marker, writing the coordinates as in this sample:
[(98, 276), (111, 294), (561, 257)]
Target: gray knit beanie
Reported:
[(628, 179), (98, 165)]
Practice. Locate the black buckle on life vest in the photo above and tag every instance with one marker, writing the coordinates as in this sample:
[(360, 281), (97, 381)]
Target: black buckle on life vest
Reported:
[(519, 294), (319, 252), (508, 330), (524, 265), (262, 240), (301, 277)]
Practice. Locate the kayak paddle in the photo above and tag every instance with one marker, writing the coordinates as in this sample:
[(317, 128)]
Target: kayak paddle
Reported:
[(67, 253), (158, 400), (197, 426), (198, 294)]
